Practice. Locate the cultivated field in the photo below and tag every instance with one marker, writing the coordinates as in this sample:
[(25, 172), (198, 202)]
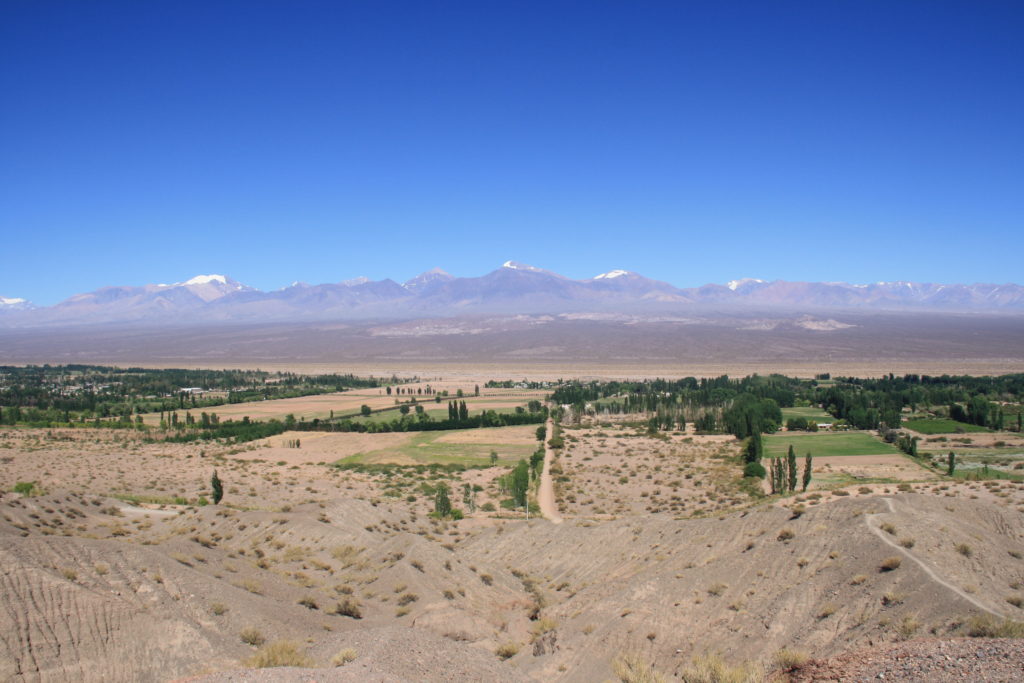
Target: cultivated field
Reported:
[(814, 414), (350, 402), (826, 444)]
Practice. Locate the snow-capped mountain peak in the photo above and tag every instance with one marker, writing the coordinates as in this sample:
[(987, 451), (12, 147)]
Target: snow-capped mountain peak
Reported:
[(361, 280), (734, 284), (428, 277), (200, 280), (515, 265), (611, 274), (206, 279), (13, 304)]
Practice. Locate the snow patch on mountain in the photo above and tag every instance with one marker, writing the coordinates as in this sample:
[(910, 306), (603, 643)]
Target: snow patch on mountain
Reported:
[(206, 279), (733, 284), (611, 274), (515, 265)]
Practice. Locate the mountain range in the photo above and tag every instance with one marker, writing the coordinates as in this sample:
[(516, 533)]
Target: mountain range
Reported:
[(514, 288)]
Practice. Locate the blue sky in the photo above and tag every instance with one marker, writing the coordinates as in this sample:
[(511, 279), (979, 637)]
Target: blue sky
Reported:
[(691, 142)]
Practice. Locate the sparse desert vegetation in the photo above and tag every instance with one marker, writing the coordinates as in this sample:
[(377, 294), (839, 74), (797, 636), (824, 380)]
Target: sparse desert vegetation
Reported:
[(325, 545)]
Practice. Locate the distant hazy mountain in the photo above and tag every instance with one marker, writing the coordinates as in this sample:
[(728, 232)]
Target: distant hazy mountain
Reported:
[(424, 281), (514, 288), (14, 304)]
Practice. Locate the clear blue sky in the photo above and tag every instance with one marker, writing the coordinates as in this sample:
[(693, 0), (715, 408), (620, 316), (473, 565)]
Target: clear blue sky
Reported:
[(691, 142)]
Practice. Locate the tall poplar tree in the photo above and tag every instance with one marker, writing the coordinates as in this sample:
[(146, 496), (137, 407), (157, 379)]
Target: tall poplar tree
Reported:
[(791, 466), (217, 487)]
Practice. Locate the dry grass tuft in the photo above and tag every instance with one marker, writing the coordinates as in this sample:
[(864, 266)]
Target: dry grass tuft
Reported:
[(279, 653), (344, 657), (890, 563), (790, 660), (987, 626), (252, 636), (632, 667), (506, 650), (712, 668)]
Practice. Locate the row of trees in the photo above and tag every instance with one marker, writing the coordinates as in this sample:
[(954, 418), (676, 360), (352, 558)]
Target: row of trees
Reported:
[(979, 411), (76, 393)]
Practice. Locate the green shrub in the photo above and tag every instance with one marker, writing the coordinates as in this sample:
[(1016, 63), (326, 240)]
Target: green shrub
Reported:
[(754, 469)]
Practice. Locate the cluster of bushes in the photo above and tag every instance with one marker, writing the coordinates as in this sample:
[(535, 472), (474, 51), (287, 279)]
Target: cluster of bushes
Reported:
[(801, 424)]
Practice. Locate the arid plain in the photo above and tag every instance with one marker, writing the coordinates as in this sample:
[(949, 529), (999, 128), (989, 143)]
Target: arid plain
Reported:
[(662, 563)]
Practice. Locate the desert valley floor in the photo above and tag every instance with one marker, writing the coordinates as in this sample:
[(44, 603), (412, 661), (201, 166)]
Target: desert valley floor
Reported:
[(323, 556)]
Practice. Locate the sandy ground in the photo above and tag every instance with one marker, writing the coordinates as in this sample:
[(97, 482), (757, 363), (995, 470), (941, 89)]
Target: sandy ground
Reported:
[(871, 467), (263, 474), (464, 374)]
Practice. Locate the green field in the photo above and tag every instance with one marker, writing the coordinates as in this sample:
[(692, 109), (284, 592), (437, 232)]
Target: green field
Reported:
[(810, 413), (424, 448), (982, 474), (941, 426), (430, 409), (391, 415), (826, 444)]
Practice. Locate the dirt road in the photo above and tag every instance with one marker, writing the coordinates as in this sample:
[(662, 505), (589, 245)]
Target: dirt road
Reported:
[(546, 494), (927, 570)]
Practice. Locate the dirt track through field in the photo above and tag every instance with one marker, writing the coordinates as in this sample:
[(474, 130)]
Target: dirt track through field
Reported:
[(927, 570), (546, 494)]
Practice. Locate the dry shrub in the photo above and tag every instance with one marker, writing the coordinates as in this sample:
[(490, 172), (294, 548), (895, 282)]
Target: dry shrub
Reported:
[(349, 608), (890, 563), (344, 657), (542, 626), (892, 598), (407, 599), (987, 626), (790, 660), (711, 668), (826, 611), (279, 653), (632, 667), (907, 627), (506, 650), (252, 636)]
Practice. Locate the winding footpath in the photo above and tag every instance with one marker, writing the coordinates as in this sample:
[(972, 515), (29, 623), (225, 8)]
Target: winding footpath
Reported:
[(927, 570), (546, 493)]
